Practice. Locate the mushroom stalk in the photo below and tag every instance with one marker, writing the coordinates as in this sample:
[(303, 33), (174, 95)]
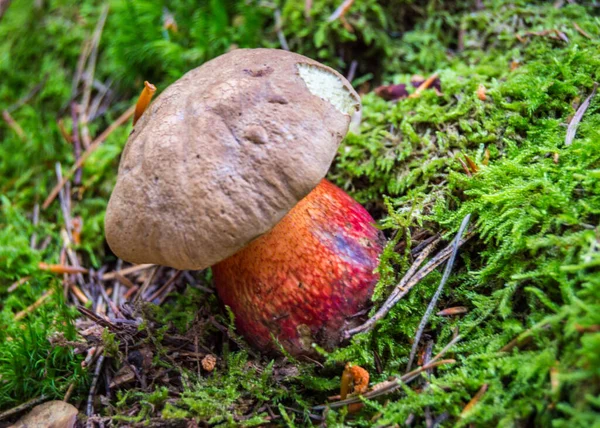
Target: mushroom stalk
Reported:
[(302, 282)]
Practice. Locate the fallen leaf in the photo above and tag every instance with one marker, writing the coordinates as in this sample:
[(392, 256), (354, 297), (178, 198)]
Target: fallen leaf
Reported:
[(392, 92)]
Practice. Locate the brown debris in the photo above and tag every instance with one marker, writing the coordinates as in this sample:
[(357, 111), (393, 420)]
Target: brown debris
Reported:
[(209, 362), (587, 329), (123, 376)]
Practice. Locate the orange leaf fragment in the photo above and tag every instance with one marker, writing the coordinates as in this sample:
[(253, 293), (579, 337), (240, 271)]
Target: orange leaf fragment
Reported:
[(144, 100), (481, 90), (472, 165), (452, 311), (61, 268)]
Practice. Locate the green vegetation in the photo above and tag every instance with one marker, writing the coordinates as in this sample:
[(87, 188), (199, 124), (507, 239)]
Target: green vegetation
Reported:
[(529, 277)]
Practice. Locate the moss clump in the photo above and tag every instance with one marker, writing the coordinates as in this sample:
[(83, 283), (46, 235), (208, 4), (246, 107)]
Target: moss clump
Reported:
[(529, 277)]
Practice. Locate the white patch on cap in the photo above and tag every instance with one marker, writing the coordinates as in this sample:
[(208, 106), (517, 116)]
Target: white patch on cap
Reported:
[(328, 86)]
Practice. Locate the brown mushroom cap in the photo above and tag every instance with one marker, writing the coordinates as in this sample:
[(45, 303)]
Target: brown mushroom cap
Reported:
[(223, 154)]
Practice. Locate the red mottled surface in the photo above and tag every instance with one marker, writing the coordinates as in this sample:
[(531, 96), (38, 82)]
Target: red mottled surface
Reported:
[(303, 280)]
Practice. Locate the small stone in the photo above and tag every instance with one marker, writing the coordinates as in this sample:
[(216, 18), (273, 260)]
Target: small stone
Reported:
[(52, 414)]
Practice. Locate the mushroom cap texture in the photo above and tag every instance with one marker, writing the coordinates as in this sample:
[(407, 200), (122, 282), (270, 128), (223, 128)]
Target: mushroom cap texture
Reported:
[(223, 154)]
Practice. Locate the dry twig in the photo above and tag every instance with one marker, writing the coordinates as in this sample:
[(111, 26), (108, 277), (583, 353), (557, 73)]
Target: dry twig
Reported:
[(4, 4), (120, 274), (76, 141), (17, 284), (407, 283), (13, 125), (90, 402), (146, 284), (474, 400), (86, 154), (436, 296), (582, 31), (89, 78), (32, 93), (165, 288), (279, 29), (34, 306), (341, 10)]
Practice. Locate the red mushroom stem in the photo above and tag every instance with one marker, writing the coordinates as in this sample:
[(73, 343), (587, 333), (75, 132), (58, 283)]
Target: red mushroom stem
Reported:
[(302, 282)]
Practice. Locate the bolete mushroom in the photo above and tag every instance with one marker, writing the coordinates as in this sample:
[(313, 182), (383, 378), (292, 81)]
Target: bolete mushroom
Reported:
[(226, 169)]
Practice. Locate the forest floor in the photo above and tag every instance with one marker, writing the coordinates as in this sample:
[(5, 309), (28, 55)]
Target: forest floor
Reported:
[(506, 132)]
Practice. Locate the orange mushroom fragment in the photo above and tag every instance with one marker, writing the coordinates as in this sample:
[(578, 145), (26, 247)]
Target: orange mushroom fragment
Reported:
[(359, 378), (144, 100)]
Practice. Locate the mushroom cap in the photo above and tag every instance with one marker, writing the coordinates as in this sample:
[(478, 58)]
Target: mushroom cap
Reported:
[(223, 154)]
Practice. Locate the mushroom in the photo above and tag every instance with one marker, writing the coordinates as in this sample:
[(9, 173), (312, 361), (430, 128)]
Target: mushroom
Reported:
[(225, 169)]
